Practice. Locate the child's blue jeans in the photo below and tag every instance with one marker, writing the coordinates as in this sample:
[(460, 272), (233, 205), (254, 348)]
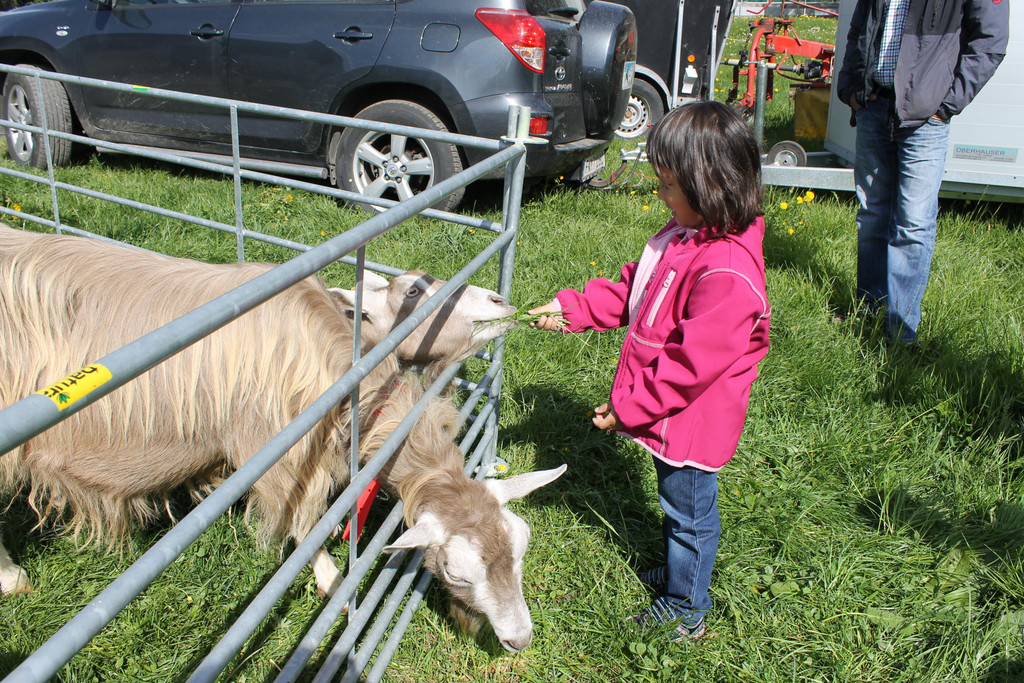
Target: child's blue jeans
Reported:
[(690, 530)]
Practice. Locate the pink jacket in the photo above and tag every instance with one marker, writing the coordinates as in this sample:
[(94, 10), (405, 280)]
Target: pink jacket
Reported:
[(688, 361)]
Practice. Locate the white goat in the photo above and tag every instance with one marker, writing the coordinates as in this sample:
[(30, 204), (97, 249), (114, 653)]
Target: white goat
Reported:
[(467, 317)]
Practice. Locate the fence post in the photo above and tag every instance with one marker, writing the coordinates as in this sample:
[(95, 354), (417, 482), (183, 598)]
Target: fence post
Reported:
[(515, 173), (45, 138)]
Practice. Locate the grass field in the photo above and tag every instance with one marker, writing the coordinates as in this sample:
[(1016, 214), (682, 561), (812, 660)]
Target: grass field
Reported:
[(873, 518)]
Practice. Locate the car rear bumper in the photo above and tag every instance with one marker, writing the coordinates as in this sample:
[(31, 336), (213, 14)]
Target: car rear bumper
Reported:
[(567, 146)]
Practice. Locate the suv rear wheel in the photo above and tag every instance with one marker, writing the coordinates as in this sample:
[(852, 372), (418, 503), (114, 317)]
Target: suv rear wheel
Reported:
[(394, 166), (21, 104)]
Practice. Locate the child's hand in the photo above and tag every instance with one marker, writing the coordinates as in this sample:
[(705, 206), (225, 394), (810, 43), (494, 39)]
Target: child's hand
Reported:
[(605, 417), (548, 322)]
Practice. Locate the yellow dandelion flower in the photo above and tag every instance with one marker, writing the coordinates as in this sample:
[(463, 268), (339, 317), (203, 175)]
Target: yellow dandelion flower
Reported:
[(16, 207), (808, 196), (799, 200), (593, 263), (790, 231), (646, 207), (472, 230), (323, 234), (784, 205), (289, 198)]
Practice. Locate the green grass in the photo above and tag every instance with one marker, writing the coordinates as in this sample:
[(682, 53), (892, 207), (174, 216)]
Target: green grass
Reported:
[(873, 518)]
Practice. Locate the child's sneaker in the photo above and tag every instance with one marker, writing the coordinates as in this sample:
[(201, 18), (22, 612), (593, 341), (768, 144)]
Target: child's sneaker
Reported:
[(659, 615), (655, 579)]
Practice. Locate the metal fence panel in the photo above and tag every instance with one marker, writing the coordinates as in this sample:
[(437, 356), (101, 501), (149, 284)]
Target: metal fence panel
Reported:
[(30, 416)]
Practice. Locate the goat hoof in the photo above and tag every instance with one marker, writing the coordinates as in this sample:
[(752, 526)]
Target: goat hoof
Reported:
[(325, 593), (21, 585)]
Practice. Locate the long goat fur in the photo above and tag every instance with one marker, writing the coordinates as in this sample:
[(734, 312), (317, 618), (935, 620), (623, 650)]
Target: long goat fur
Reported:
[(190, 421)]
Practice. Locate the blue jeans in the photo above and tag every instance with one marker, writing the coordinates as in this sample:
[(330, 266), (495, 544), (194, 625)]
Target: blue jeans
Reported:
[(898, 172), (690, 530)]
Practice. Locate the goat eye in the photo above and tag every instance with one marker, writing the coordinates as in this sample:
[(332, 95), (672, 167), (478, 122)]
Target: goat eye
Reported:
[(412, 292), (452, 578)]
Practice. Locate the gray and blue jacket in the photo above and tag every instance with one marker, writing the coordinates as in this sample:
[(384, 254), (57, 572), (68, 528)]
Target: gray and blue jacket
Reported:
[(950, 49)]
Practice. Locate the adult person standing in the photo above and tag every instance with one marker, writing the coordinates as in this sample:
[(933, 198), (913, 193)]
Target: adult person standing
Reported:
[(909, 66)]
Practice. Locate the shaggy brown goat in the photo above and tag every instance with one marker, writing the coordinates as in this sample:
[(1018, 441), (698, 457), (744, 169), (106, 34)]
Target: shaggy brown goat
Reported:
[(188, 422), (473, 544)]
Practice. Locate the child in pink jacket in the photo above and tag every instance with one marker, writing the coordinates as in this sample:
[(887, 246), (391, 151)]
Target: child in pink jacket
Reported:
[(697, 315)]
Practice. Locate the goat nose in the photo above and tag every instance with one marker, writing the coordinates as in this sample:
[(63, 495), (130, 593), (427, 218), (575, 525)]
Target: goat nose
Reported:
[(519, 642)]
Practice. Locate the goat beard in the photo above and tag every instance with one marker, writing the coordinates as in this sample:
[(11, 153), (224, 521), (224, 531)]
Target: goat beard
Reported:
[(469, 620)]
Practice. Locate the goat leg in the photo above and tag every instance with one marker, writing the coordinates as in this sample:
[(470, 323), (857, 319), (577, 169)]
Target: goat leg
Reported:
[(13, 579), (328, 578)]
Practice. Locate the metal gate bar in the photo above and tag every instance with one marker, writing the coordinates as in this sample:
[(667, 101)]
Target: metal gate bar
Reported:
[(28, 417)]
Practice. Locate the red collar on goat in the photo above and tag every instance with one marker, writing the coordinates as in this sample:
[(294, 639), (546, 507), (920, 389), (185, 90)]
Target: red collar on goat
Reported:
[(363, 504)]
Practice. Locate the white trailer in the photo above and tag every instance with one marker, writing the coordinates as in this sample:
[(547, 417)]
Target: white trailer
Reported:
[(985, 159)]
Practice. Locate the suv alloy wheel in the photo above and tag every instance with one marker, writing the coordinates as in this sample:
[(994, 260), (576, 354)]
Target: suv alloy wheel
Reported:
[(20, 103), (395, 166)]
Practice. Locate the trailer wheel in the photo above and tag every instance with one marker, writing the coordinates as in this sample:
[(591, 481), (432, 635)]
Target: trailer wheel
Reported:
[(643, 110), (786, 153)]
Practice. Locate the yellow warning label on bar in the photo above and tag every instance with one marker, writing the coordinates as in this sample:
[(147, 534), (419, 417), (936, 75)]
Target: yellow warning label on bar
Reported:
[(76, 385)]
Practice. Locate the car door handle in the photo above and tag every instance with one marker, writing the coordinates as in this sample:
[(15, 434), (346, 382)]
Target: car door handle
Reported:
[(206, 31), (352, 34)]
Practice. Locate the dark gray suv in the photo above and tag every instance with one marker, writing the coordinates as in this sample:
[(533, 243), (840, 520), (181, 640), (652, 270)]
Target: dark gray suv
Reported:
[(454, 65)]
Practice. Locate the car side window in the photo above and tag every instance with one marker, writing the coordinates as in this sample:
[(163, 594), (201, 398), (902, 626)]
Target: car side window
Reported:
[(336, 2), (565, 9), (157, 3)]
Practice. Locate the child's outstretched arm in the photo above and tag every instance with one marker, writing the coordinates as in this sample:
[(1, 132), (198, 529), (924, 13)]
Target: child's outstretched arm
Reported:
[(548, 322)]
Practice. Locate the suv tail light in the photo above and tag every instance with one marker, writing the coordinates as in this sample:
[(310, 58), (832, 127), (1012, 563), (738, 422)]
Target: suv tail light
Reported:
[(538, 125), (519, 32)]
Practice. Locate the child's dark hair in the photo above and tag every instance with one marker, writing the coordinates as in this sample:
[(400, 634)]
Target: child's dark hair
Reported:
[(715, 159)]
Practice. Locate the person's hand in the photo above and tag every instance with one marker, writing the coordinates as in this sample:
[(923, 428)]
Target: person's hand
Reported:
[(548, 322), (854, 104), (605, 417)]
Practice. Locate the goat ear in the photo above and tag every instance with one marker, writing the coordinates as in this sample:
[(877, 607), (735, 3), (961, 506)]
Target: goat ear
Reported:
[(427, 531), (374, 300), (373, 281), (521, 485)]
